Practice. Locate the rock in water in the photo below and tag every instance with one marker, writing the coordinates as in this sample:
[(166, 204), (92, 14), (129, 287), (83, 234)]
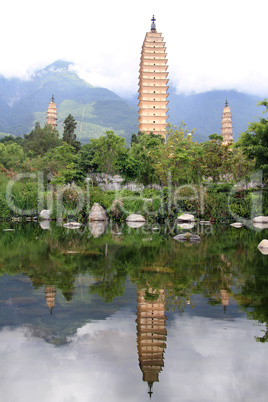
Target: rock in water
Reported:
[(97, 213), (236, 225), (97, 228), (45, 214), (260, 219), (187, 236), (263, 246), (186, 218), (45, 225), (72, 225), (135, 218)]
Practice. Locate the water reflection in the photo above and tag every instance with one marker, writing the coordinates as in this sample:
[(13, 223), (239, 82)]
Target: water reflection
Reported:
[(50, 292), (78, 312), (97, 228), (151, 334), (206, 360)]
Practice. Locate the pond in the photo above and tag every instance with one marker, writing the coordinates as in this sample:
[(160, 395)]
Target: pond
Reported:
[(130, 314)]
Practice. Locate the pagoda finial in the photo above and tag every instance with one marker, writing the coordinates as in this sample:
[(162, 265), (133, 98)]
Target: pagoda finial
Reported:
[(153, 27), (52, 99), (150, 392), (226, 103)]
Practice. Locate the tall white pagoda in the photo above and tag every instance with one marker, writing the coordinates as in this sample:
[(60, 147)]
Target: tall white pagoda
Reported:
[(153, 84)]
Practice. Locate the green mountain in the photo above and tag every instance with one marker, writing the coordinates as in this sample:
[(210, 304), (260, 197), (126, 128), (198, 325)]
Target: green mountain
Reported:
[(204, 111), (97, 110)]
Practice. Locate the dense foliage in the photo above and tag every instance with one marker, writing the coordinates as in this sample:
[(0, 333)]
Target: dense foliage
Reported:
[(182, 174), (226, 262)]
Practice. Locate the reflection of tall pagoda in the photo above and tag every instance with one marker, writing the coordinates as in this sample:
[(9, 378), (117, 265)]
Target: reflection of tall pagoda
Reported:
[(52, 113), (151, 334), (153, 84), (50, 292), (226, 126)]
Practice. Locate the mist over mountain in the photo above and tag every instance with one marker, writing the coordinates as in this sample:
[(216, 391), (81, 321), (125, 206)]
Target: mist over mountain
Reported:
[(97, 110)]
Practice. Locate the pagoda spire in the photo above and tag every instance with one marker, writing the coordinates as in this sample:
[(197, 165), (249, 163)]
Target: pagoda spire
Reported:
[(153, 26)]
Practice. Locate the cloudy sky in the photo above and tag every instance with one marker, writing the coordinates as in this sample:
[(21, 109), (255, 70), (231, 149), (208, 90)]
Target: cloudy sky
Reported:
[(215, 360), (210, 44)]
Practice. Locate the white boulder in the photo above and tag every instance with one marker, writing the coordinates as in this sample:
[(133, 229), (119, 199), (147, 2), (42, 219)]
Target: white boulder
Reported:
[(263, 246), (236, 225), (260, 219), (135, 218), (45, 214), (186, 218), (260, 225), (72, 225), (135, 225), (45, 225), (97, 228), (97, 213), (186, 225)]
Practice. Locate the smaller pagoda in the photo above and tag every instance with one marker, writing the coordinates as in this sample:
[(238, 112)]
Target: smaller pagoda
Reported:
[(52, 113), (226, 125)]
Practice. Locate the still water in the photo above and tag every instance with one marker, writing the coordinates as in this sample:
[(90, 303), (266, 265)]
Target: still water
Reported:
[(128, 314)]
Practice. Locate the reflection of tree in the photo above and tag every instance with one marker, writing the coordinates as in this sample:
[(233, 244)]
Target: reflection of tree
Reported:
[(151, 333), (111, 278), (227, 263), (254, 294), (217, 280)]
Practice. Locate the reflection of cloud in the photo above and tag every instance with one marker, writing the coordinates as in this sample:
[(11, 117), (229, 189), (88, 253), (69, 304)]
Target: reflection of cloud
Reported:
[(99, 363), (220, 358), (206, 360)]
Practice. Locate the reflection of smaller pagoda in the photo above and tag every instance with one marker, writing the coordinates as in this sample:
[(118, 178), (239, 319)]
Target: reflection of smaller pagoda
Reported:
[(50, 292), (52, 113), (151, 334), (224, 299)]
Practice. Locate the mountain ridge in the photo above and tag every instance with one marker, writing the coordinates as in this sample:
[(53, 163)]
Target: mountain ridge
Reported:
[(97, 109)]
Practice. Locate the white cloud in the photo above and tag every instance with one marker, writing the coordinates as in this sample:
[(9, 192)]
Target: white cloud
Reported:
[(210, 44), (205, 359)]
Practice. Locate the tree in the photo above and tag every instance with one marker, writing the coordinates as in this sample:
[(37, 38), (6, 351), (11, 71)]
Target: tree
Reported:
[(7, 138), (68, 132), (139, 163), (40, 140), (107, 151), (11, 155), (86, 156), (61, 163), (217, 158), (129, 167), (172, 159), (254, 142), (242, 166)]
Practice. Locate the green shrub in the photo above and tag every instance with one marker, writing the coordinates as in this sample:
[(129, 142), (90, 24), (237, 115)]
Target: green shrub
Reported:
[(4, 209)]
